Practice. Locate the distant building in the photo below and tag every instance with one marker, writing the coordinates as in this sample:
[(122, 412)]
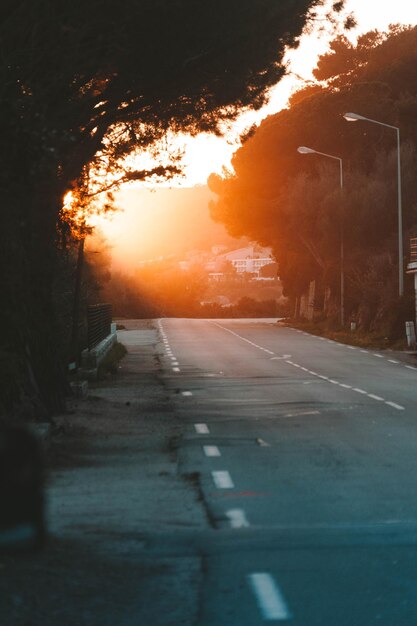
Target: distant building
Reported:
[(249, 259), (219, 264)]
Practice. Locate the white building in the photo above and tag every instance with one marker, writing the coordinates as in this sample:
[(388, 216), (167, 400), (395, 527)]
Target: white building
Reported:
[(248, 259)]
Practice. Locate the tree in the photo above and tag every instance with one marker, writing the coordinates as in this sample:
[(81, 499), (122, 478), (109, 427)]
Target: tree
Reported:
[(293, 202), (82, 85)]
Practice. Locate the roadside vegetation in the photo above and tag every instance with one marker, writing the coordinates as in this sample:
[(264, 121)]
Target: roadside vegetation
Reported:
[(357, 337), (83, 87), (109, 365), (300, 207)]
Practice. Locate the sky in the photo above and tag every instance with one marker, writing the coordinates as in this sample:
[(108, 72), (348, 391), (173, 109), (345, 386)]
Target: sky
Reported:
[(132, 232)]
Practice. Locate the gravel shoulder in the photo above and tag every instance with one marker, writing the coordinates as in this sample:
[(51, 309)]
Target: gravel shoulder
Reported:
[(112, 484)]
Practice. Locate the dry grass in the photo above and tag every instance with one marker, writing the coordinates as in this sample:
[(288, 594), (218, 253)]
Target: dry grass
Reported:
[(354, 338)]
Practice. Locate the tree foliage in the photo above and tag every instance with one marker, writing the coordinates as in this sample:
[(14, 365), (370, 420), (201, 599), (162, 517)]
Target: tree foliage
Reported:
[(294, 202), (82, 85)]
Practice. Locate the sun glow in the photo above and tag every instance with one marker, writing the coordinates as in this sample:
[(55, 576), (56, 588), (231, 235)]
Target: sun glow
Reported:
[(72, 214), (206, 153)]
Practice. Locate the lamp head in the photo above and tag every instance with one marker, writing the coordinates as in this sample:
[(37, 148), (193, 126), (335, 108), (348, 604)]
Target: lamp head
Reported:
[(305, 150), (353, 117)]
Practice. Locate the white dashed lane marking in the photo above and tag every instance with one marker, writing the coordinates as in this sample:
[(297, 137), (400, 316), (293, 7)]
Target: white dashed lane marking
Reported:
[(255, 345), (270, 600), (395, 405), (344, 345), (345, 386), (211, 451), (237, 518), (263, 443), (187, 393), (299, 413), (222, 479), (322, 376), (201, 429)]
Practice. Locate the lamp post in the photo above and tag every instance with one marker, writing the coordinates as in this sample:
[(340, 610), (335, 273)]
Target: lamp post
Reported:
[(354, 117), (305, 150)]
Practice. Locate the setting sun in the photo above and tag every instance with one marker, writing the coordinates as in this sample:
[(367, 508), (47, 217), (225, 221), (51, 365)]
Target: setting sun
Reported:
[(208, 362), (206, 153)]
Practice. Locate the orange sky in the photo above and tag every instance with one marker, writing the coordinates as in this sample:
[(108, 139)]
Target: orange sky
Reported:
[(135, 233)]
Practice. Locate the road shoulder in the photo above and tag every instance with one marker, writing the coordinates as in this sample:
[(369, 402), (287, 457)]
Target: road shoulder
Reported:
[(112, 485)]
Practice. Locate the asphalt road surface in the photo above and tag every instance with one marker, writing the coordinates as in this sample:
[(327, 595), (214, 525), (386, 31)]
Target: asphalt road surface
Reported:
[(305, 452)]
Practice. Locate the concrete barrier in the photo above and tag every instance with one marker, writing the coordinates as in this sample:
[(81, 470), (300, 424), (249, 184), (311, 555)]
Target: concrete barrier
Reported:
[(91, 359)]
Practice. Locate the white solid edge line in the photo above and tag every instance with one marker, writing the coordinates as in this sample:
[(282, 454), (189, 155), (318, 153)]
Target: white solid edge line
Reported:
[(395, 405), (211, 451), (222, 479), (270, 600), (237, 518), (201, 429)]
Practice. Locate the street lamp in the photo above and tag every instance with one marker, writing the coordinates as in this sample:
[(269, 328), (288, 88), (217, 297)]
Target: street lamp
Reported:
[(354, 117), (305, 150)]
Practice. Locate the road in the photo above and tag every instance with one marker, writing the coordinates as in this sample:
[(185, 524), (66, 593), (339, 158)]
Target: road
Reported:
[(305, 452)]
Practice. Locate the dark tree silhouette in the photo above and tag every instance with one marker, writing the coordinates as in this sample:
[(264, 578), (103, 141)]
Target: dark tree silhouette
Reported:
[(87, 82), (293, 202)]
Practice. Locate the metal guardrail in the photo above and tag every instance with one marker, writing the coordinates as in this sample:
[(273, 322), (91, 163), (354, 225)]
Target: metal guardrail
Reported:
[(99, 317), (413, 250)]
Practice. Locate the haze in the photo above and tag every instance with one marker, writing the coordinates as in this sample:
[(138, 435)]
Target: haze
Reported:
[(167, 221)]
